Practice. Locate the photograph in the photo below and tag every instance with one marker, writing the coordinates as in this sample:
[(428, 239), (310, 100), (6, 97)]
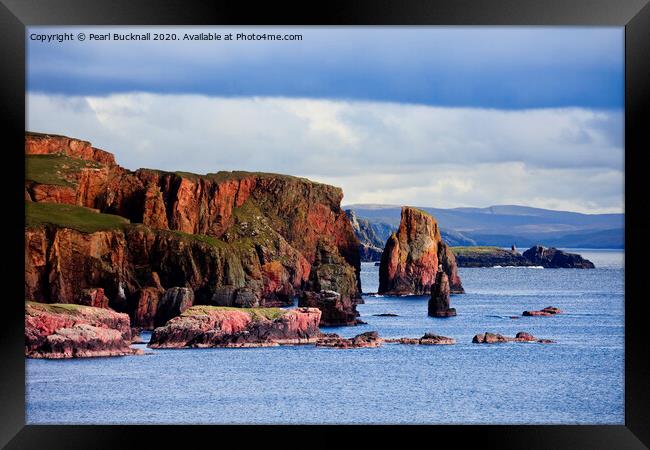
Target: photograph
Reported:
[(324, 225)]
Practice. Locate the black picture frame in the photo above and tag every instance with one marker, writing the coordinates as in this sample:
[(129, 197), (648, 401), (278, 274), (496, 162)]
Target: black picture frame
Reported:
[(634, 15)]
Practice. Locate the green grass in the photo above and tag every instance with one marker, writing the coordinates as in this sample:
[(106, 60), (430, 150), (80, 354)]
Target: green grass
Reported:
[(255, 313), (55, 169), (57, 308), (476, 250), (77, 218)]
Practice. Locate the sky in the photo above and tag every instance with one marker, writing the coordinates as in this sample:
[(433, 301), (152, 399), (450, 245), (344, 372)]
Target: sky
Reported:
[(428, 116)]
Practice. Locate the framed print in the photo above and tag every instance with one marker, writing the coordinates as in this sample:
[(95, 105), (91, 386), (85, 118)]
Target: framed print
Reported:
[(378, 215)]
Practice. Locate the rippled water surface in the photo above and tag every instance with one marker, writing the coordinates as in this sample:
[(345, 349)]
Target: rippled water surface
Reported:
[(579, 379)]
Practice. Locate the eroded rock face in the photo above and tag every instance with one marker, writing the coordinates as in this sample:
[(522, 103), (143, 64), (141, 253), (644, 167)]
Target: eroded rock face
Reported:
[(93, 297), (73, 331), (173, 303), (209, 326), (553, 258), (49, 144), (411, 258), (439, 301), (332, 288), (495, 338), (233, 238)]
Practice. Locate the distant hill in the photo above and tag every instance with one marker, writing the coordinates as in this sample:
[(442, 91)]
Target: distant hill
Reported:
[(504, 225)]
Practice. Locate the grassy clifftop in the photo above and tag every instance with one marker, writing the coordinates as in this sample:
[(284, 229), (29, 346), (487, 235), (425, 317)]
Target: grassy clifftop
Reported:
[(77, 218), (256, 314), (58, 170)]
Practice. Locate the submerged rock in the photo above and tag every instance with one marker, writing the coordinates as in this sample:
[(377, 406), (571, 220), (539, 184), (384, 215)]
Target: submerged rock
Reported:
[(495, 338), (213, 326), (427, 339), (412, 256), (57, 331), (363, 340), (439, 301), (548, 311)]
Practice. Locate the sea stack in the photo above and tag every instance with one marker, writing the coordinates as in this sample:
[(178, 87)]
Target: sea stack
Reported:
[(439, 301), (410, 261)]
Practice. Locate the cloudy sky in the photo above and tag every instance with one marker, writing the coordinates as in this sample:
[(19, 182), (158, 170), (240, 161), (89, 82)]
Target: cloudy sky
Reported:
[(428, 116)]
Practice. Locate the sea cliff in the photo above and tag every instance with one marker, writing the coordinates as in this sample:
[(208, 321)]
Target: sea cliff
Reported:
[(238, 239)]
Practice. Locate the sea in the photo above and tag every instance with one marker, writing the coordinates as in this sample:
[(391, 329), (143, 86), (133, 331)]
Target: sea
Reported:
[(579, 379)]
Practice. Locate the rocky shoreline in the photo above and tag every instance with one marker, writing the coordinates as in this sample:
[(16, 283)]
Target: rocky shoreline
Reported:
[(59, 331), (218, 260), (536, 256)]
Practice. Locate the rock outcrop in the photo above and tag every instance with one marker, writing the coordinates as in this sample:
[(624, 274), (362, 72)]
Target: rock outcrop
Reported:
[(553, 258), (233, 238), (52, 144), (495, 338), (371, 339), (411, 257), (368, 339), (440, 293), (548, 311), (59, 331), (427, 339), (212, 326)]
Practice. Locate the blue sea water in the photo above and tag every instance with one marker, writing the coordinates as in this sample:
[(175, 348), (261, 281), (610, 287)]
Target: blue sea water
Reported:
[(578, 380)]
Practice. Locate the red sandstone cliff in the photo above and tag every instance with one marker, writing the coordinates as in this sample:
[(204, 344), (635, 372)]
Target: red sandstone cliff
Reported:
[(232, 238), (412, 256)]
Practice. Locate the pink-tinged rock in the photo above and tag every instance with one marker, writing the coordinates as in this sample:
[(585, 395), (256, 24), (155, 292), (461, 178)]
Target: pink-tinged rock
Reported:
[(212, 326), (74, 331)]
